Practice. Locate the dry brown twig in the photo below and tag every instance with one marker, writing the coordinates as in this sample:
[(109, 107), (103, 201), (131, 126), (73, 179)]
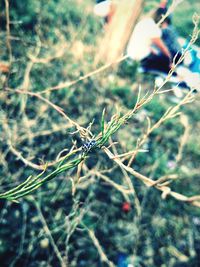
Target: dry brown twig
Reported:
[(85, 133), (96, 243), (58, 51), (81, 78), (26, 81), (48, 233), (178, 254), (24, 160), (125, 191), (18, 154), (149, 182), (71, 223), (193, 39), (160, 184), (130, 185), (169, 114)]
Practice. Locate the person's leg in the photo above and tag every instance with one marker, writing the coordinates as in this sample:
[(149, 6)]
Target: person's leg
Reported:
[(156, 62)]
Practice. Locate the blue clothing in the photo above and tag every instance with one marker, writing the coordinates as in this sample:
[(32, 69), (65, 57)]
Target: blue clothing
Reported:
[(169, 36)]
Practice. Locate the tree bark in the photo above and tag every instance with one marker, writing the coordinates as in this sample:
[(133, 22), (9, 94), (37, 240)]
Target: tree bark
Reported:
[(118, 31)]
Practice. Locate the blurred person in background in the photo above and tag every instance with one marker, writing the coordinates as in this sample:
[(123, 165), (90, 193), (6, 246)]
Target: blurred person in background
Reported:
[(146, 44), (164, 4), (188, 70), (157, 48), (170, 38), (169, 33)]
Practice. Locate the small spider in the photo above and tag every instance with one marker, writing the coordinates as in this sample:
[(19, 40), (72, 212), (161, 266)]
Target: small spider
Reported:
[(88, 146)]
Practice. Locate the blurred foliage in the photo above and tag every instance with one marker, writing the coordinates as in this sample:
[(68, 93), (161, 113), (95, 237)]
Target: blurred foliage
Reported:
[(167, 233)]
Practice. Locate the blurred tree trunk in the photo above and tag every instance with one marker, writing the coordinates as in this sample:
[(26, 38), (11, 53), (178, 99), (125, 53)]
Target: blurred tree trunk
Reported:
[(118, 31)]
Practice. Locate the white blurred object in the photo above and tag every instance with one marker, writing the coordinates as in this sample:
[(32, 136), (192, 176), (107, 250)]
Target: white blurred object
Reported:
[(193, 81), (111, 78), (196, 221), (102, 9), (187, 59), (190, 78), (140, 43), (178, 93), (159, 81)]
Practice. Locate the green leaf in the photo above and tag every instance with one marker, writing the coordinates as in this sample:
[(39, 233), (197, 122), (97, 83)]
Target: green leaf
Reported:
[(103, 122)]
